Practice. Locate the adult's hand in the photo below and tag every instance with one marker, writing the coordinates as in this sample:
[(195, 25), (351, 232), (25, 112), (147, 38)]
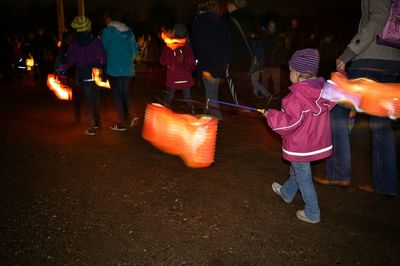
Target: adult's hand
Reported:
[(340, 65)]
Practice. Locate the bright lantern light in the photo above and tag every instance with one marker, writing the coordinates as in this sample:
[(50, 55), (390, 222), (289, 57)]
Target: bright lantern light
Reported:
[(191, 138), (371, 97), (62, 91), (29, 62), (173, 43), (96, 72)]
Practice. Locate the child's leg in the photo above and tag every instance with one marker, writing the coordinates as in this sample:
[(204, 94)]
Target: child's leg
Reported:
[(290, 187), (187, 96), (169, 95), (302, 173)]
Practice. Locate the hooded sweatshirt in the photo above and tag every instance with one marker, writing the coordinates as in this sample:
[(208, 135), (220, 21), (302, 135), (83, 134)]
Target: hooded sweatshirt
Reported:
[(120, 44), (86, 53), (179, 72), (304, 122)]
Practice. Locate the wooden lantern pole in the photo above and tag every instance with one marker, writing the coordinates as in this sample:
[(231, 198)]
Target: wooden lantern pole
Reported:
[(60, 17), (81, 7)]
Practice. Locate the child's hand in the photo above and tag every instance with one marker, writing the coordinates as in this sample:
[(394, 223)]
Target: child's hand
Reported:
[(265, 114)]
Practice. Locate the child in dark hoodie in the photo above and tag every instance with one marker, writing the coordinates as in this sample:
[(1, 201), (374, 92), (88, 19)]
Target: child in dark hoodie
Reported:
[(86, 53), (304, 125)]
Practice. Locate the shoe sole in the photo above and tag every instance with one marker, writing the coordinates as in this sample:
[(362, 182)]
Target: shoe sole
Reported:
[(277, 192), (118, 129), (305, 219)]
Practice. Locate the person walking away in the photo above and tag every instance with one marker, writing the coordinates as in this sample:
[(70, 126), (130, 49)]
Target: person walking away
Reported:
[(273, 56), (210, 36), (85, 53), (121, 48), (304, 125), (365, 58), (240, 57), (180, 64), (257, 46)]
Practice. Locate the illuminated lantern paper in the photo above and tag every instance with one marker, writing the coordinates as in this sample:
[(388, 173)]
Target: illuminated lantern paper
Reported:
[(29, 62), (62, 91), (96, 72), (371, 97), (191, 138), (173, 43)]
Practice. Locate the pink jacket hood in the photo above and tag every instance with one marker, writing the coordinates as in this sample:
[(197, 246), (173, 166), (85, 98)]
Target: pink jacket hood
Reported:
[(304, 122)]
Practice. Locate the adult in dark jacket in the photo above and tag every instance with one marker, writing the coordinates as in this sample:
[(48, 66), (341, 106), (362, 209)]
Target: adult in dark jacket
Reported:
[(240, 53), (367, 59), (210, 36), (86, 53)]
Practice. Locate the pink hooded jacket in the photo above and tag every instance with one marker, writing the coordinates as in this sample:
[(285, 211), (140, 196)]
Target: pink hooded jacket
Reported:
[(304, 122)]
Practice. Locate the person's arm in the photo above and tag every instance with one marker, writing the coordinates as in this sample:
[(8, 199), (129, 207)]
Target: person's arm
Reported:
[(378, 14), (289, 119)]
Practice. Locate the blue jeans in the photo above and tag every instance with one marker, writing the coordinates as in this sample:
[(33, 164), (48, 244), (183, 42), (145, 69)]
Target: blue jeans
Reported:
[(187, 96), (120, 87), (301, 179), (384, 170), (91, 103), (211, 86), (257, 86)]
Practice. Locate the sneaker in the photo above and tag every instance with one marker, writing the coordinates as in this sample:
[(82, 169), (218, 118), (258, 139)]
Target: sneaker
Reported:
[(118, 127), (91, 131), (134, 121), (302, 216), (276, 187)]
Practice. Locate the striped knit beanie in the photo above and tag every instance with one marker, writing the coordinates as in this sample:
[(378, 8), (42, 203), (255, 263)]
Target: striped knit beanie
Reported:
[(81, 23), (305, 61)]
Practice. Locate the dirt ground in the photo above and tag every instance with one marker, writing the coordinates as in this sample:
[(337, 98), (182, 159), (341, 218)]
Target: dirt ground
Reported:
[(114, 199)]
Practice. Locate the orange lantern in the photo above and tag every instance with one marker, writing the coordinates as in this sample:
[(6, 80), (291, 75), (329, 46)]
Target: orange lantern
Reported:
[(96, 72), (191, 138), (371, 97), (173, 43), (62, 91)]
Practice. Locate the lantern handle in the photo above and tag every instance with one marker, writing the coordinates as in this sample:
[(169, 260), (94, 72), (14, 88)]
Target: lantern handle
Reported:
[(237, 105)]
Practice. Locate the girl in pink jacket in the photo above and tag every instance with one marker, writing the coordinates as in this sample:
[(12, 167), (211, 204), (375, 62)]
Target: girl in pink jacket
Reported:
[(180, 64), (304, 125)]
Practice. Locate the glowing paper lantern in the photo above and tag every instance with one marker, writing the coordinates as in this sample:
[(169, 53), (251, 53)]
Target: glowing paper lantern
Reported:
[(371, 97), (191, 138), (30, 63), (62, 91), (96, 72), (173, 43)]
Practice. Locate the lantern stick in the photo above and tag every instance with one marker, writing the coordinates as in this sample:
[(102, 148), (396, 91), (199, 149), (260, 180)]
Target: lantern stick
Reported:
[(237, 105)]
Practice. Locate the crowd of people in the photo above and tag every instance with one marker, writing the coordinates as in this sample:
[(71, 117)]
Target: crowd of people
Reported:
[(252, 54)]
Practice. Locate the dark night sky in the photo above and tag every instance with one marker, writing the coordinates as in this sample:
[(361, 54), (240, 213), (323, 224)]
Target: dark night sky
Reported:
[(184, 10)]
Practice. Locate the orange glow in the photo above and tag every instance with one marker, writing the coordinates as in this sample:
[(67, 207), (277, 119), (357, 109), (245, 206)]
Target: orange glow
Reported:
[(191, 138), (207, 75), (30, 62), (173, 43), (96, 72), (62, 91), (371, 97)]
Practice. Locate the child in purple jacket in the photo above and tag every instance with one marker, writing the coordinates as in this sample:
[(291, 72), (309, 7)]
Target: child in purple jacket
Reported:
[(86, 52), (304, 125)]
